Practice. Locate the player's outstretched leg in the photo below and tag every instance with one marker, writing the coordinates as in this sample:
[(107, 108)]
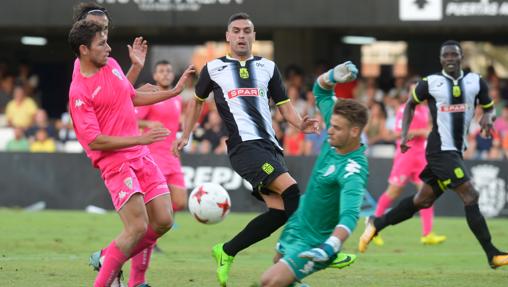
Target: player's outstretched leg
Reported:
[(96, 260), (224, 262), (367, 235)]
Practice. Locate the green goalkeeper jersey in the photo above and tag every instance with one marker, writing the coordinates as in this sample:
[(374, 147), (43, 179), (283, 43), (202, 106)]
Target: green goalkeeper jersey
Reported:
[(335, 191)]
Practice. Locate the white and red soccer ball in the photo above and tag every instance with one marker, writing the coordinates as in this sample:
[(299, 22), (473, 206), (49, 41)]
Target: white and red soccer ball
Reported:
[(209, 203)]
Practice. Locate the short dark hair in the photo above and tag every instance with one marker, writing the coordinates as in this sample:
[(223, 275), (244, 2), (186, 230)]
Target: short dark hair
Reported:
[(81, 10), (451, 43), (160, 62), (238, 16), (82, 33), (353, 111)]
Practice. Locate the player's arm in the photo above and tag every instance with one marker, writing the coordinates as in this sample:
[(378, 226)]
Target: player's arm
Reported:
[(203, 88), (145, 97), (277, 92), (325, 83), (419, 94), (109, 143), (487, 104), (350, 203), (137, 54)]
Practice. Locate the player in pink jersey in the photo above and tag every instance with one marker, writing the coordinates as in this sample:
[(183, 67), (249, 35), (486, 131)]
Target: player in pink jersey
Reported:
[(166, 114), (137, 54), (102, 101), (407, 167)]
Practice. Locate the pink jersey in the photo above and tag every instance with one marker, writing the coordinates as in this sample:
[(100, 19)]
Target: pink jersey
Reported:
[(102, 105), (75, 69), (168, 113), (420, 121)]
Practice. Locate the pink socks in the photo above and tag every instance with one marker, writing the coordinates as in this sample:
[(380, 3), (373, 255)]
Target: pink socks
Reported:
[(113, 261), (427, 216), (383, 204), (139, 265)]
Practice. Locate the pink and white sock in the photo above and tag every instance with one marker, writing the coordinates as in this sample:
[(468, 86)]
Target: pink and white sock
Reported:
[(383, 204), (113, 261), (139, 265), (427, 217)]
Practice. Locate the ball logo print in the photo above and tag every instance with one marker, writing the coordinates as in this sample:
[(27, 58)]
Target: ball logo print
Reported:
[(420, 10), (209, 203)]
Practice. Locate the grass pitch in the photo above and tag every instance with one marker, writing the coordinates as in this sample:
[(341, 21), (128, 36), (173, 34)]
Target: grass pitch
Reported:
[(51, 248)]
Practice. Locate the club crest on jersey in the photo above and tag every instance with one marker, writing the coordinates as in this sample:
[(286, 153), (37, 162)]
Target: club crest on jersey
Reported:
[(244, 92), (244, 73), (459, 108), (117, 74), (456, 91)]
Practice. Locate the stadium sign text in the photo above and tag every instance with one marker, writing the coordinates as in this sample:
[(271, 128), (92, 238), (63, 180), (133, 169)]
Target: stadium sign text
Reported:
[(222, 175), (492, 188), (477, 8), (171, 5)]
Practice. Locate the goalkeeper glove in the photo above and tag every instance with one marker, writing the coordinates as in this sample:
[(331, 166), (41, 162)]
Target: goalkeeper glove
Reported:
[(342, 73), (324, 252)]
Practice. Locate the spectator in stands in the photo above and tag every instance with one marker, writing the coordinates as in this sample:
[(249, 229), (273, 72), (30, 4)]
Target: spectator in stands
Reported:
[(293, 141), (294, 76), (19, 142), (501, 127), (376, 130), (65, 128), (21, 109), (41, 122), (42, 143), (279, 126), (215, 135), (6, 86), (299, 104), (480, 147), (29, 80)]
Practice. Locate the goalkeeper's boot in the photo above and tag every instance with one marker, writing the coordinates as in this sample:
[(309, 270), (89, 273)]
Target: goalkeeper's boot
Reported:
[(224, 262), (432, 239), (367, 235), (378, 240), (498, 260), (343, 260), (96, 260)]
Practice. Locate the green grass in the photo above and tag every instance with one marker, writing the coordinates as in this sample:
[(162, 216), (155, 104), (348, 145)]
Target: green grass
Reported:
[(51, 248)]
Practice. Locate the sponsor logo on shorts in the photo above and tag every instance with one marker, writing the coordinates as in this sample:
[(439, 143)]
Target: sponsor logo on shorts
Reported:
[(122, 194), (459, 108), (267, 168), (128, 182), (244, 92)]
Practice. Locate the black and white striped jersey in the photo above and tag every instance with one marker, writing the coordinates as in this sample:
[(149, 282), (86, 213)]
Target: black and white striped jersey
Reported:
[(452, 104), (241, 91)]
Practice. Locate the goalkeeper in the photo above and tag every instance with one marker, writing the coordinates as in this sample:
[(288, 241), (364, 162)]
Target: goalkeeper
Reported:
[(330, 207)]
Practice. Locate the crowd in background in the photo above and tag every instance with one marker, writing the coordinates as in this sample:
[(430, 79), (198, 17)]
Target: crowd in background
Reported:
[(27, 126)]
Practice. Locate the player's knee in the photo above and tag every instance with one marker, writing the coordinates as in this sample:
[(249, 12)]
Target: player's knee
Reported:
[(471, 197), (137, 230), (291, 198), (163, 224), (179, 203)]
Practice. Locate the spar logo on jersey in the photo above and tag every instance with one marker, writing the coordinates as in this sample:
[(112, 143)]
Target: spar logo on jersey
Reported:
[(459, 108), (420, 10), (245, 92), (492, 189)]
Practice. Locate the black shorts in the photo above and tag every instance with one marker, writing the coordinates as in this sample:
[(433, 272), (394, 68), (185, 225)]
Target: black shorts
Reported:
[(259, 162), (444, 170)]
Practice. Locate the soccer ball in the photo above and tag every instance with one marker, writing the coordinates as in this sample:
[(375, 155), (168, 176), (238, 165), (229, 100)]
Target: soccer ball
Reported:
[(209, 203)]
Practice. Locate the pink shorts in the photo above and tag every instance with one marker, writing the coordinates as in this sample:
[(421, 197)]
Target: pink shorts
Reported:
[(176, 179), (137, 175), (406, 167)]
